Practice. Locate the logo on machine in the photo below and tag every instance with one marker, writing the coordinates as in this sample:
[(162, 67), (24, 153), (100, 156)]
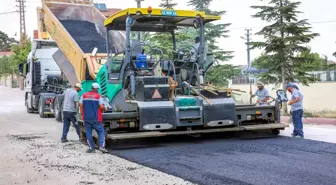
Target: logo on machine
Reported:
[(156, 94)]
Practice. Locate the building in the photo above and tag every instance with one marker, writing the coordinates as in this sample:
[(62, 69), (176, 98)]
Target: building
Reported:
[(5, 53), (107, 12)]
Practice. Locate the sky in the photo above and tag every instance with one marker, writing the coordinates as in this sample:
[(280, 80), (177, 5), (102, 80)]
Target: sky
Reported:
[(321, 15)]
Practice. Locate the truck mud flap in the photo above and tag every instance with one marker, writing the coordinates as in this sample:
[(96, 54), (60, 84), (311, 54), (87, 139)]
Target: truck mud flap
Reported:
[(217, 130)]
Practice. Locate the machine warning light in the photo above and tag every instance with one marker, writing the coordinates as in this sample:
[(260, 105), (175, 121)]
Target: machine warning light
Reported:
[(149, 9)]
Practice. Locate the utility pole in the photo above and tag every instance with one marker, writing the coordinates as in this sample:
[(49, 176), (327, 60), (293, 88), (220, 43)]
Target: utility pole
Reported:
[(22, 11), (138, 6), (248, 45)]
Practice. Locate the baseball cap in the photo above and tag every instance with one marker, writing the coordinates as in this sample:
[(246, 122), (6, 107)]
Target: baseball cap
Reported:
[(79, 86), (290, 85), (198, 39), (95, 86)]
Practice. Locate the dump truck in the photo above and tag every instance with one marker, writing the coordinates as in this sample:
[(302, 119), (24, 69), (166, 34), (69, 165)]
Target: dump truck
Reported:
[(77, 27), (92, 49), (43, 77)]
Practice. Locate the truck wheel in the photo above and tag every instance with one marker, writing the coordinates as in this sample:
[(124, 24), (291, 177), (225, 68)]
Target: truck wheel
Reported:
[(29, 110), (57, 110), (40, 108)]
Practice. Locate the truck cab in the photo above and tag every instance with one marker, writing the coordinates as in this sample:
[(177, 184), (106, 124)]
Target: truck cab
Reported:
[(42, 77)]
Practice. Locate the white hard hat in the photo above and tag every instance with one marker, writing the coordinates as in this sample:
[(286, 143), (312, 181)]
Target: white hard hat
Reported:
[(260, 84), (79, 86), (95, 86)]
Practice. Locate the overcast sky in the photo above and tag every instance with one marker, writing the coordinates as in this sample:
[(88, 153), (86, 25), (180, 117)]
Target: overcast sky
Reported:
[(321, 13)]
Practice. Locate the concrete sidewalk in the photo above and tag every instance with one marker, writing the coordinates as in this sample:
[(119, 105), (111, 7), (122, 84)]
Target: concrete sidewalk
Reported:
[(311, 120)]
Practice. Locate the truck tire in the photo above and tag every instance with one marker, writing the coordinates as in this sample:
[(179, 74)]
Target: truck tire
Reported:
[(58, 110), (29, 110), (41, 108)]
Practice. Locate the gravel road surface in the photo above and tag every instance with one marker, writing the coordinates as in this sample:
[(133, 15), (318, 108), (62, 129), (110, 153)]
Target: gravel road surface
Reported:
[(31, 153)]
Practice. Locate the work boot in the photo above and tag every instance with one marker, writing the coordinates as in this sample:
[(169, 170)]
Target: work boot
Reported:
[(64, 140), (90, 150), (102, 149)]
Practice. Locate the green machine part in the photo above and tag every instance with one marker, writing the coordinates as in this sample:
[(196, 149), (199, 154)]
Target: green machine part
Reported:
[(86, 86), (107, 89)]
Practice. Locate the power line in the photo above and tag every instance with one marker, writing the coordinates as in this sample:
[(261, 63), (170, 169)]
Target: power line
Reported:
[(315, 22), (8, 9), (4, 13)]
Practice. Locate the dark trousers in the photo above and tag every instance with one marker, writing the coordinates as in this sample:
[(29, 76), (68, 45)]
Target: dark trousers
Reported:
[(297, 122), (98, 127), (69, 117)]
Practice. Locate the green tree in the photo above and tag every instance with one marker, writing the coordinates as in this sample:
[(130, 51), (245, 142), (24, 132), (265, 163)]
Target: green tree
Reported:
[(5, 66), (168, 4), (219, 74), (213, 32), (164, 41), (284, 38), (312, 62), (20, 54), (5, 42)]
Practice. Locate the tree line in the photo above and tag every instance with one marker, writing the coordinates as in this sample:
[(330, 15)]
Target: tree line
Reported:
[(285, 53), (285, 56), (9, 64)]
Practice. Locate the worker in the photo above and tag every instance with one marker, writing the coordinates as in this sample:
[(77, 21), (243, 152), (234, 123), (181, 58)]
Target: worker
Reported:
[(69, 111), (172, 84), (296, 109), (261, 93), (194, 50), (92, 107)]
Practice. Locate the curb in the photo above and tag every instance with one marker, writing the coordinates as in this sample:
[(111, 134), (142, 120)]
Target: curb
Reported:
[(310, 120)]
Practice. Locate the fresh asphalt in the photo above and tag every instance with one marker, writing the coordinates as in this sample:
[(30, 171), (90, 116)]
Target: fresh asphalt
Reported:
[(280, 161)]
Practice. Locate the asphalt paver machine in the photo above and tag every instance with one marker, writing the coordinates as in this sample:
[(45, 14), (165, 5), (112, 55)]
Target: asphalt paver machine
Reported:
[(138, 96)]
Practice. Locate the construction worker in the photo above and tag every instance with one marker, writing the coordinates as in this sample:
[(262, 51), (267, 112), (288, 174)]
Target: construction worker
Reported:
[(92, 107), (261, 93), (296, 109), (69, 110), (194, 50), (172, 84)]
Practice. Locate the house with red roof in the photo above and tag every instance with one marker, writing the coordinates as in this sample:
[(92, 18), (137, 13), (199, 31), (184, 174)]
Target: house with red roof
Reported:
[(5, 53)]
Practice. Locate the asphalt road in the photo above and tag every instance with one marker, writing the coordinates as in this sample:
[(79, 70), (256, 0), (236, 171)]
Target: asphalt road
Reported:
[(281, 160), (31, 152)]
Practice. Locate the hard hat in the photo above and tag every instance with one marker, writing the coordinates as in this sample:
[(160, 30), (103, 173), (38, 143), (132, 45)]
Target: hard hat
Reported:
[(260, 84), (95, 86), (79, 86)]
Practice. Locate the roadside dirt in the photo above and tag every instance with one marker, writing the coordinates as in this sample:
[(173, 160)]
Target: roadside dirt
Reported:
[(31, 153)]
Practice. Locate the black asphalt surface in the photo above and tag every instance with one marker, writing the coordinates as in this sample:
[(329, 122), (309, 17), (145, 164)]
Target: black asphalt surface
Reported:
[(86, 35), (278, 161)]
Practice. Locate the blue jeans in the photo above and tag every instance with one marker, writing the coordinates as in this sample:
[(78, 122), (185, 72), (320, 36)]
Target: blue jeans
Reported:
[(297, 122), (69, 117), (98, 127)]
